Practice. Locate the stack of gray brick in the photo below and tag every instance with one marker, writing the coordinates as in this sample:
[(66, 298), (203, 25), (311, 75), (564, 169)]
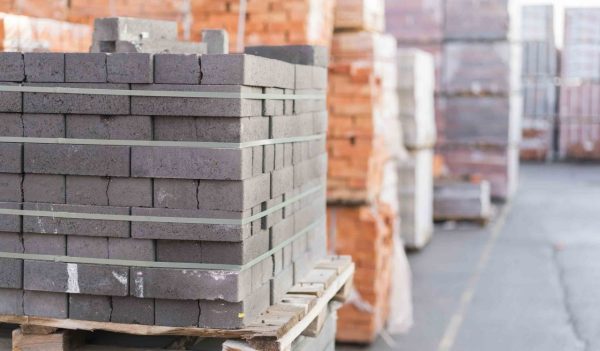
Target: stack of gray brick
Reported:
[(160, 181)]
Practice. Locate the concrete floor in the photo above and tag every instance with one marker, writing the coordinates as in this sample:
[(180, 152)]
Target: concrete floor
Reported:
[(529, 281)]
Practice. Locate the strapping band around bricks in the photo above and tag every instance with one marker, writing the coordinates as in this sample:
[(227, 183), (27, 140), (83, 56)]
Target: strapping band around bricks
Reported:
[(161, 219), (159, 93), (158, 143), (154, 264)]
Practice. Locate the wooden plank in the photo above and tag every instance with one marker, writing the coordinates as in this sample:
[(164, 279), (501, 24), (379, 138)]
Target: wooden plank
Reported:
[(308, 289), (320, 276), (5, 344), (315, 327), (236, 345), (57, 341)]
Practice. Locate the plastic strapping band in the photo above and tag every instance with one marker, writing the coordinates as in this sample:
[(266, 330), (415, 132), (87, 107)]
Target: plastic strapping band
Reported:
[(159, 219), (159, 93), (158, 143), (153, 264)]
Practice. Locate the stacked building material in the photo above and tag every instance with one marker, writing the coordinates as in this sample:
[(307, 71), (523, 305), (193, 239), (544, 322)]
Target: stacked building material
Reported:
[(540, 70), (416, 81), (480, 109), (167, 189), (364, 145), (462, 201), (579, 113), (23, 33)]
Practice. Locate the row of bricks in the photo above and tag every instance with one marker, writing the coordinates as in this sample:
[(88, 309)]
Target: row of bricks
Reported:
[(221, 69), (157, 106), (154, 230), (155, 162), (209, 129), (166, 312), (181, 284)]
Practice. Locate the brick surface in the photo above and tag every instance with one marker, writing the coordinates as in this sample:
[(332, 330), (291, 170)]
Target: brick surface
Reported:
[(282, 181), (75, 278), (82, 190), (131, 249), (233, 195), (9, 223), (169, 106), (12, 125), (179, 251), (11, 301), (44, 67), (272, 107), (11, 102), (11, 270), (217, 41), (296, 54), (242, 69), (130, 192), (227, 315), (44, 188), (45, 244), (191, 163), (176, 193), (69, 226), (131, 310), (43, 125), (85, 68), (90, 308), (45, 304), (130, 68), (177, 69), (11, 156), (10, 187), (280, 285), (177, 313), (109, 127), (87, 246), (213, 129), (12, 67), (72, 103), (94, 160), (235, 253)]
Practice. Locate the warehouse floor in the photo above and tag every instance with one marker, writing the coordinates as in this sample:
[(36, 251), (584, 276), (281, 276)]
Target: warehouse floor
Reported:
[(529, 281)]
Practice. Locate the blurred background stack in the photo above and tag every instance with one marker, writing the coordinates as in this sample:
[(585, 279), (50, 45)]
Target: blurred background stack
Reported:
[(539, 78)]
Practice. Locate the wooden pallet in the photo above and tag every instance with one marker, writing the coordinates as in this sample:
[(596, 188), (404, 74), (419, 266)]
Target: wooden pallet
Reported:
[(300, 312)]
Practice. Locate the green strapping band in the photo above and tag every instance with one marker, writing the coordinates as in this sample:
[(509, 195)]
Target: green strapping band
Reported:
[(153, 264), (158, 143), (160, 219), (159, 93)]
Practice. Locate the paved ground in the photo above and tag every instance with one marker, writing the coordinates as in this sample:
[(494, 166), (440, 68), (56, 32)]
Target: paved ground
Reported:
[(528, 282)]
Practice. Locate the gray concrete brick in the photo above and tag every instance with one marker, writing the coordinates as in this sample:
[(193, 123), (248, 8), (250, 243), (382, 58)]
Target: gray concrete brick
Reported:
[(242, 69), (176, 193), (235, 253), (131, 29), (11, 124), (189, 284), (292, 126), (87, 246), (11, 302), (214, 129), (281, 284), (276, 216), (319, 78), (299, 248), (44, 67), (10, 187), (11, 156), (217, 41), (233, 195), (279, 156), (90, 308), (227, 315), (92, 160), (130, 68), (75, 103), (320, 122), (85, 68), (177, 313), (216, 107), (179, 251), (45, 304), (130, 192), (273, 107), (309, 170), (11, 270), (158, 47), (177, 69), (282, 181), (191, 163), (295, 54), (282, 231), (12, 67), (109, 127), (268, 158), (68, 226), (301, 267), (257, 161), (44, 188), (304, 76), (45, 244), (262, 273), (278, 262), (9, 223), (131, 249), (44, 125), (131, 310), (84, 190), (258, 225), (75, 278), (288, 154), (177, 231), (11, 102), (288, 107)]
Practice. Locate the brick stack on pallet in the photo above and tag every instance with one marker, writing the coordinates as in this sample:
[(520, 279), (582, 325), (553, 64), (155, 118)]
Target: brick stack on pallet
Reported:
[(364, 143), (169, 194), (579, 112), (416, 84), (540, 70)]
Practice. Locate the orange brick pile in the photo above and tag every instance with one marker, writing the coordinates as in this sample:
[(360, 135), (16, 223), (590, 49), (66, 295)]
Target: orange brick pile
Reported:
[(268, 22), (23, 33), (364, 142), (366, 234)]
